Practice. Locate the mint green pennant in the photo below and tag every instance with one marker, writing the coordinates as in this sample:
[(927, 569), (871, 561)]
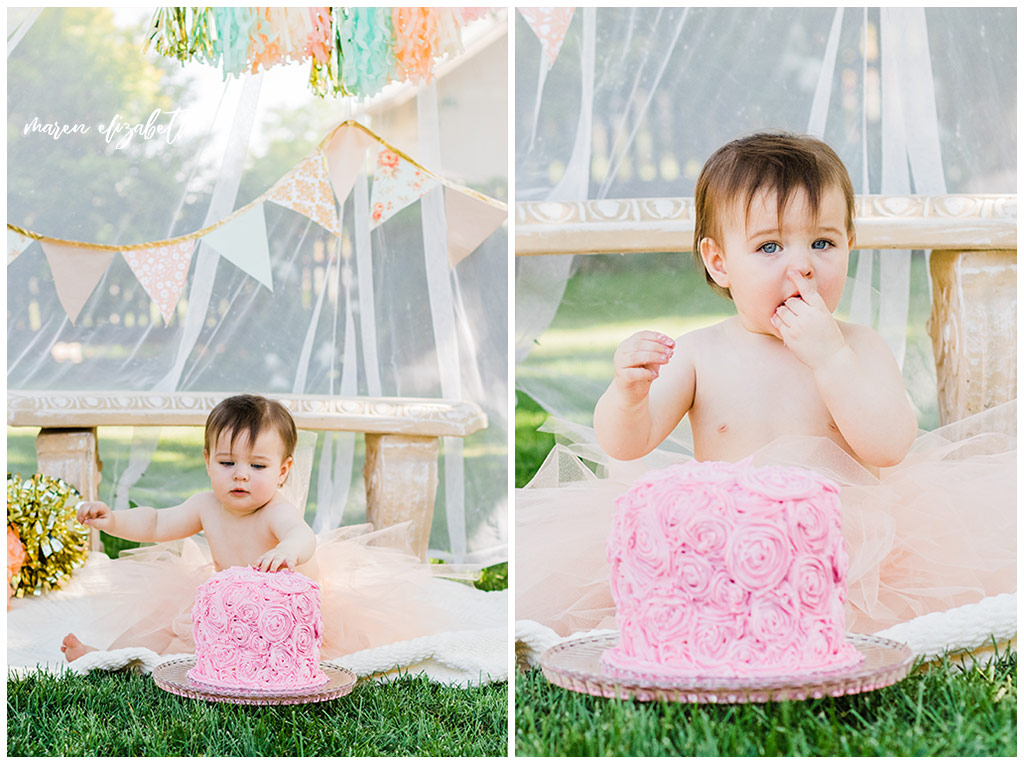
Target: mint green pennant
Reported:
[(243, 241)]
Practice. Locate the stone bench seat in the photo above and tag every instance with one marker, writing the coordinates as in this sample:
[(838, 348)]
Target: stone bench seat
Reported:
[(401, 436)]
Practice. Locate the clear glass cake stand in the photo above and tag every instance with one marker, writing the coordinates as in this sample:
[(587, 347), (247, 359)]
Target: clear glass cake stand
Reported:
[(172, 676), (576, 665)]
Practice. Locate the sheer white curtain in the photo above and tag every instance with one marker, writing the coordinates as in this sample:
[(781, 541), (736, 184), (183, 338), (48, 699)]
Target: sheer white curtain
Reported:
[(913, 100)]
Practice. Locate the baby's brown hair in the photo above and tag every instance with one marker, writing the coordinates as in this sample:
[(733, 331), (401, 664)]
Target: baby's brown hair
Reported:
[(776, 162), (252, 414)]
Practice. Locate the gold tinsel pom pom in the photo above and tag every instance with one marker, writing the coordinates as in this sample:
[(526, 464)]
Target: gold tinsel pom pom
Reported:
[(42, 510)]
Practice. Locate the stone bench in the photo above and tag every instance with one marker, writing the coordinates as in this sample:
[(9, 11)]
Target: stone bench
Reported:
[(973, 269), (401, 437)]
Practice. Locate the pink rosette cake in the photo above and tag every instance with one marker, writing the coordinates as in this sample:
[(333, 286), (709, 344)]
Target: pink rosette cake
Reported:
[(258, 631), (728, 570)]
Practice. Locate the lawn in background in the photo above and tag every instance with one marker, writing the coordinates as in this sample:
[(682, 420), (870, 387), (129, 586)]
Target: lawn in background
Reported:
[(613, 296)]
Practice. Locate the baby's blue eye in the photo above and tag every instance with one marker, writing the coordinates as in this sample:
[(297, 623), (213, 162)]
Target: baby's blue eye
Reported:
[(769, 248), (258, 466), (227, 464), (822, 244)]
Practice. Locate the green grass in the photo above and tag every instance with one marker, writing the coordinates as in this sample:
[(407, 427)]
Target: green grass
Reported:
[(936, 711), (531, 446), (119, 714)]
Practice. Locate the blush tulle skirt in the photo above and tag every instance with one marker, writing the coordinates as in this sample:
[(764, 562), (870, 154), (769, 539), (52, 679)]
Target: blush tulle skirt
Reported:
[(934, 532), (374, 592)]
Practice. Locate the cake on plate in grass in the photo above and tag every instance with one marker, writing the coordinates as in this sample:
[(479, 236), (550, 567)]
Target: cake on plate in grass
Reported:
[(258, 631), (728, 570)]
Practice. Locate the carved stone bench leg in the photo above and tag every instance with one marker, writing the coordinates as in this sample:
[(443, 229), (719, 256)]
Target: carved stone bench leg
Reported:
[(973, 327), (72, 455), (401, 483)]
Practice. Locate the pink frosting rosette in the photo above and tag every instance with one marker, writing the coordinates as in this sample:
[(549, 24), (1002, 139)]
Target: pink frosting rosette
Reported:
[(726, 595), (280, 659), (706, 534), (758, 556), (782, 483), (240, 632), (289, 582), (811, 524), (235, 593), (662, 619), (692, 574), (304, 606), (774, 616), (305, 638), (276, 623), (649, 552), (813, 582), (713, 633)]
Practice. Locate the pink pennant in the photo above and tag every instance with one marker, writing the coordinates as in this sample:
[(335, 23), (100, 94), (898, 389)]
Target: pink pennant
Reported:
[(75, 271), (162, 272), (550, 25), (396, 184), (345, 152), (470, 221), (307, 190)]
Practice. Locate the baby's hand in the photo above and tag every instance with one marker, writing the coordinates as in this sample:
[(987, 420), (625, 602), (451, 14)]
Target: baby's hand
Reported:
[(281, 556), (94, 514), (638, 361), (806, 325)]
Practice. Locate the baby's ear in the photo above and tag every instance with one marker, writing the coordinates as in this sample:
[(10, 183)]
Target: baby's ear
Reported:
[(714, 261), (286, 467)]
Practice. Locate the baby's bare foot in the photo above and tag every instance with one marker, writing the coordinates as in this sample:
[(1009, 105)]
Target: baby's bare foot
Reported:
[(73, 648)]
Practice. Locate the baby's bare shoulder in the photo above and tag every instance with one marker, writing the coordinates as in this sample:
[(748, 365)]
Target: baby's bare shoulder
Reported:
[(863, 338), (699, 343), (279, 508)]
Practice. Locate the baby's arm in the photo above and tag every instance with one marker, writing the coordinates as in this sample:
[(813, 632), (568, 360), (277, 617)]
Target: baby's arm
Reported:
[(144, 523), (634, 415), (856, 374), (296, 541)]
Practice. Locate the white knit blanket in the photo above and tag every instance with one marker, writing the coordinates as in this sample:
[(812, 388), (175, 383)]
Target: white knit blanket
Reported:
[(969, 628), (462, 658), (36, 626)]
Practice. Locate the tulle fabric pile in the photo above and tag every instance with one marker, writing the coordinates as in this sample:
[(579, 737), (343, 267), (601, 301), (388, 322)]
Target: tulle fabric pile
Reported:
[(934, 532), (374, 592)]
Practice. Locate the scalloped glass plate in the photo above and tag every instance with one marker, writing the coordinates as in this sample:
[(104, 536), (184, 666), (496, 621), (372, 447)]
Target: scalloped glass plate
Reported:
[(576, 665), (172, 677)]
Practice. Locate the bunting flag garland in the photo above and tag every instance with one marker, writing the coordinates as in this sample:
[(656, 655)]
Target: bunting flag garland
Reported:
[(309, 188), (16, 244), (550, 26), (162, 272), (396, 184), (352, 51), (243, 241), (76, 272)]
